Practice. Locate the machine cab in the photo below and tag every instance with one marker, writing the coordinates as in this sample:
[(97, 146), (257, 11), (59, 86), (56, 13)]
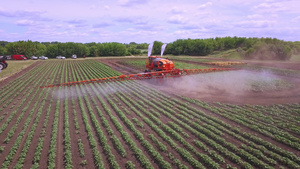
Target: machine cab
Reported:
[(158, 63)]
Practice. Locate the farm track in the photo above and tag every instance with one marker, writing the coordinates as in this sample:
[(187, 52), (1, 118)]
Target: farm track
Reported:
[(124, 123), (120, 67)]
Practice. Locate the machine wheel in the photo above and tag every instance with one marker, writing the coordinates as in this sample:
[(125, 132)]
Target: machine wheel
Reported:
[(5, 65), (2, 66)]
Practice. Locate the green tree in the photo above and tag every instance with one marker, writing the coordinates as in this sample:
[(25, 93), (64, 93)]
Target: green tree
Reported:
[(26, 48), (52, 51), (229, 43), (133, 51), (142, 46), (269, 49), (15, 48), (111, 49), (168, 49), (41, 49), (3, 43), (177, 47), (3, 51), (156, 48), (119, 49), (93, 52)]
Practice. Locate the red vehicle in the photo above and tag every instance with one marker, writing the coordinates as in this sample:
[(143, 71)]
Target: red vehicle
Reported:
[(157, 63), (19, 57), (3, 63)]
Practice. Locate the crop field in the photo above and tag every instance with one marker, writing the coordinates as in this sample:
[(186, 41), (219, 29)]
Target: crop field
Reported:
[(133, 124), (140, 64)]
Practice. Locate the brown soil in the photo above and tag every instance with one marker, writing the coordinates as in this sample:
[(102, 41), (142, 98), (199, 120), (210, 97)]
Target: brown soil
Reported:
[(113, 63), (276, 64)]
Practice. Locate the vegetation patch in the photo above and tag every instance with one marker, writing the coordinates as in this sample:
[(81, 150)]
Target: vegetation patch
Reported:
[(14, 67), (264, 85)]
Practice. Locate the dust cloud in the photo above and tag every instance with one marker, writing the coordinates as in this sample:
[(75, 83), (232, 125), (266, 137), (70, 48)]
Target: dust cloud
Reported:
[(229, 83)]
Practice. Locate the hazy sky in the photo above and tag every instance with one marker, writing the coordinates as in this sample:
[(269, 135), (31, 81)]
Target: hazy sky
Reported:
[(147, 20)]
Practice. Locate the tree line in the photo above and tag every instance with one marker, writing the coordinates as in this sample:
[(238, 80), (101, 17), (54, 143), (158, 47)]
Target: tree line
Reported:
[(248, 48), (53, 49)]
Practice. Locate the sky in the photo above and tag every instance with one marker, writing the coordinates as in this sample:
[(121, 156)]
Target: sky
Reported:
[(145, 21)]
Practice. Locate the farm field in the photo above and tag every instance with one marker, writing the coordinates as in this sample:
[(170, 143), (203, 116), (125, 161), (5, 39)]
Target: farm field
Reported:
[(137, 124), (140, 64)]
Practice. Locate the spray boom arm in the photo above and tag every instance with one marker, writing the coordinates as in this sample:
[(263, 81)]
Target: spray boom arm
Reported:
[(141, 76)]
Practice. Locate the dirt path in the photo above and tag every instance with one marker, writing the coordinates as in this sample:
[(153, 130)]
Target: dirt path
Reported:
[(60, 142), (119, 67)]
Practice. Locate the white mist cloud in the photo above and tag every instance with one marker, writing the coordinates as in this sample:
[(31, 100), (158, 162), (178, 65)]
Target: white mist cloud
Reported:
[(103, 89), (229, 83)]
